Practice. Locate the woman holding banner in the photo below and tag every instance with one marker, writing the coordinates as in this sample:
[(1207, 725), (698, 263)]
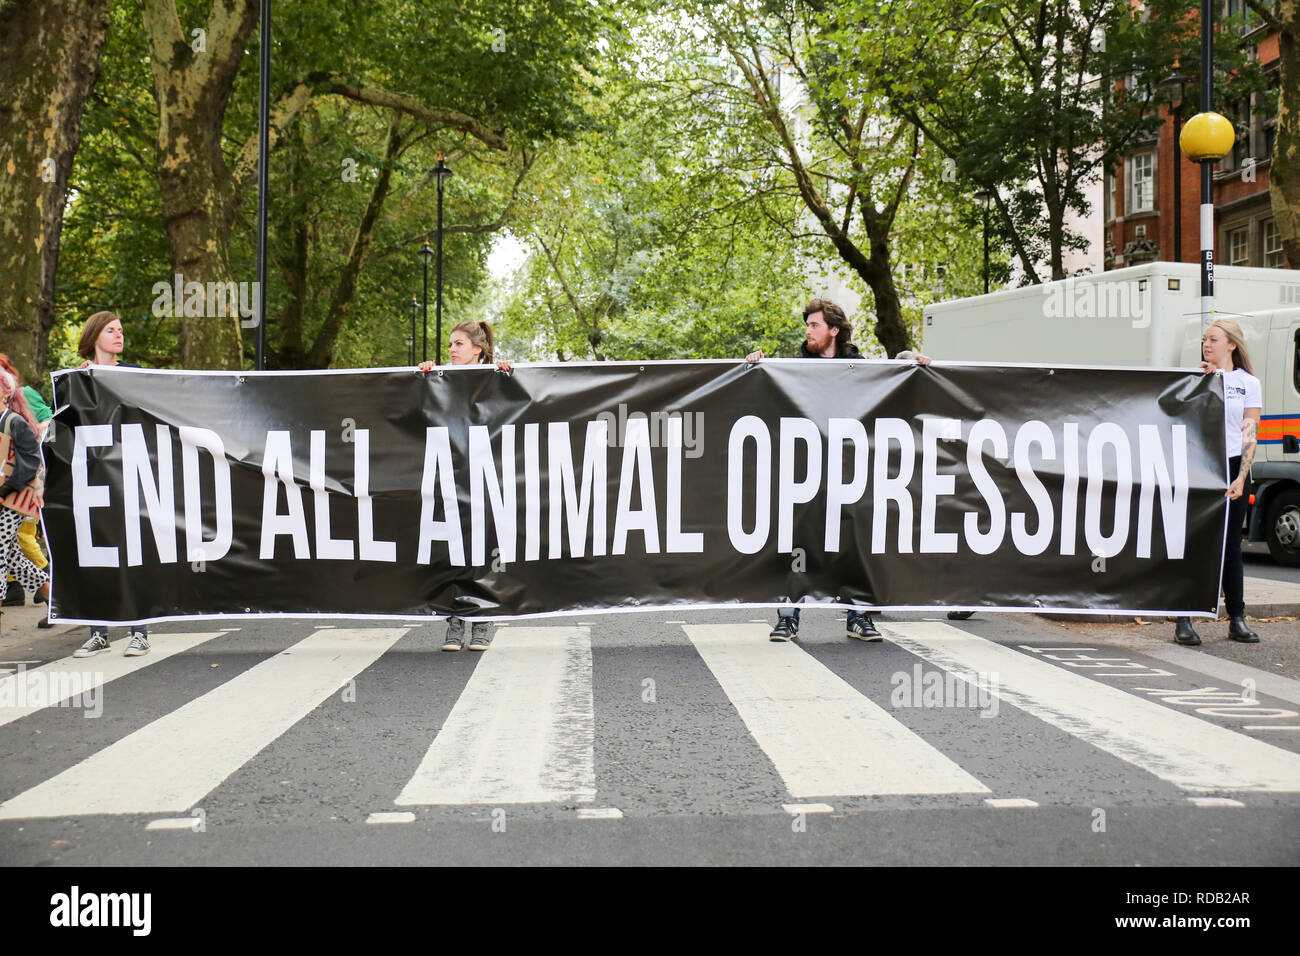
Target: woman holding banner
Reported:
[(21, 490), (1224, 351), (101, 343), (470, 343)]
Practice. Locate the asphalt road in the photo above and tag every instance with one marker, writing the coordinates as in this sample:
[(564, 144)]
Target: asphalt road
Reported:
[(1259, 563), (653, 738)]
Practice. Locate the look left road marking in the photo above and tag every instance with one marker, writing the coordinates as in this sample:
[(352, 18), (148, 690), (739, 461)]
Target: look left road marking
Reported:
[(522, 730), (1186, 751), (172, 763), (95, 671)]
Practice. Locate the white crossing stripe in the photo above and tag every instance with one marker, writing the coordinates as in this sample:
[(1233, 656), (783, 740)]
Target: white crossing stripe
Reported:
[(29, 691), (600, 813), (1009, 803), (172, 763), (824, 738), (1187, 751), (1214, 802), (522, 730)]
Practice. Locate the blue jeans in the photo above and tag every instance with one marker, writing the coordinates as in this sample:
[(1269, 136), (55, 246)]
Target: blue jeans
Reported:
[(101, 630), (793, 612)]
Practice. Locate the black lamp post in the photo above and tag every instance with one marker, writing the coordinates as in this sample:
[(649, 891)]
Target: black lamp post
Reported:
[(410, 339), (1176, 79), (985, 197), (441, 171), (425, 252), (1206, 139), (263, 187)]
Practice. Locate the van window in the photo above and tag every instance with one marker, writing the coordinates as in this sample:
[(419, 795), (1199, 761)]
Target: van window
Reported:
[(1295, 362)]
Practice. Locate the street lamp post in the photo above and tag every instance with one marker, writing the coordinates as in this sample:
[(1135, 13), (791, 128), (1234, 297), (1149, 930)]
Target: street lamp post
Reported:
[(1176, 79), (442, 172), (425, 252), (985, 197), (263, 178), (410, 339), (1206, 139)]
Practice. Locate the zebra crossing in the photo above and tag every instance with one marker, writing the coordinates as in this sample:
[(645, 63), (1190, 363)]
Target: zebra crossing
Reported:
[(554, 716)]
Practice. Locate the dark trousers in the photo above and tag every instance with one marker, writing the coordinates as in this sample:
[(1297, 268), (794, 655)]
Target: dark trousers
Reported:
[(1233, 570)]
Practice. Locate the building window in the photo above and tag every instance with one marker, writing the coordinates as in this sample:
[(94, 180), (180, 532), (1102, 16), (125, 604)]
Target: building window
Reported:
[(1142, 183), (1239, 246), (1271, 245), (1239, 114), (1110, 196)]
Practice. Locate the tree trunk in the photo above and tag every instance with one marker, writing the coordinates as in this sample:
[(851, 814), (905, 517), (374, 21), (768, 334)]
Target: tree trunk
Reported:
[(192, 89), (1284, 171), (50, 54), (890, 329)]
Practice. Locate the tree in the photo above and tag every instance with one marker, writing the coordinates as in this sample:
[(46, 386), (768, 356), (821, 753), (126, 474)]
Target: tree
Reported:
[(483, 83), (50, 54), (645, 243), (1284, 170), (1032, 99), (850, 165)]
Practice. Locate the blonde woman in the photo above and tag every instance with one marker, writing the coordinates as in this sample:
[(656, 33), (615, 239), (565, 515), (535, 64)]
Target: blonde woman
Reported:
[(1224, 352), (470, 343)]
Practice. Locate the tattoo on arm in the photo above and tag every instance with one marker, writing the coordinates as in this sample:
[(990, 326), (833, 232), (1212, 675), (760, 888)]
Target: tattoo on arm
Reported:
[(1249, 429)]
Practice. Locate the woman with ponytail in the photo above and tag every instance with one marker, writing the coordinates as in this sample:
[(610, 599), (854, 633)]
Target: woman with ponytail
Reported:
[(470, 343)]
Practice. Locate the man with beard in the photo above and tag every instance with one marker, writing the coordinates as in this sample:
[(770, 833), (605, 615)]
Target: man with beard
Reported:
[(827, 334)]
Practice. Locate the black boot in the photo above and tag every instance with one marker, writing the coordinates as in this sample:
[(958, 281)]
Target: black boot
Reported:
[(1184, 633), (1238, 630)]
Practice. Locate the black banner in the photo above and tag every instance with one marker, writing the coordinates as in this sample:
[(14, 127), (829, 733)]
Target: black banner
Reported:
[(627, 485)]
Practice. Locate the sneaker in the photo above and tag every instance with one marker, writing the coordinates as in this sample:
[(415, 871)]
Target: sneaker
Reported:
[(138, 646), (861, 627), (960, 615), (481, 639), (455, 638), (786, 630), (97, 644)]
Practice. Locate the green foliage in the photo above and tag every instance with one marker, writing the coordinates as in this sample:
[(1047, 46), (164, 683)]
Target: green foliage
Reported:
[(521, 68), (644, 243), (1034, 97)]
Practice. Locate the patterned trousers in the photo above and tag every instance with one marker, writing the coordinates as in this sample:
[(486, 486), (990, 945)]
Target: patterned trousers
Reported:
[(12, 559)]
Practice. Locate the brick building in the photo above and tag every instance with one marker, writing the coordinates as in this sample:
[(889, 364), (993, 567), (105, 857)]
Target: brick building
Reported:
[(1139, 192)]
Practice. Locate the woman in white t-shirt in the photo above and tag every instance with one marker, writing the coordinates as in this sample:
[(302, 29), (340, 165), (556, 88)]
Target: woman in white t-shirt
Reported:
[(1224, 351)]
